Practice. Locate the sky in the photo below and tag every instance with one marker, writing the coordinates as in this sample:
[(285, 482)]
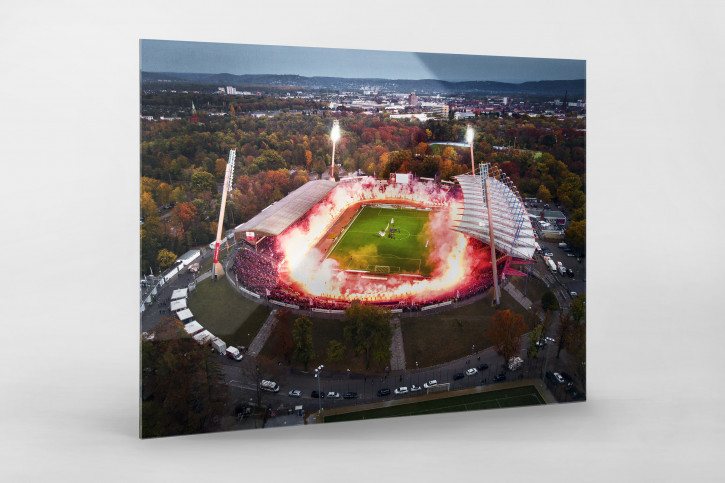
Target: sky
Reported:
[(215, 58)]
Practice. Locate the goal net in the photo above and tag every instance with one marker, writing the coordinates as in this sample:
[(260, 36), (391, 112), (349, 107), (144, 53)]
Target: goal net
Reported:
[(381, 269)]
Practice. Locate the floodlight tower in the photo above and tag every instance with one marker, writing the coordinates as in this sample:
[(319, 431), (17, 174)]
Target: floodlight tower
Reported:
[(486, 184), (335, 136), (228, 179), (469, 140)]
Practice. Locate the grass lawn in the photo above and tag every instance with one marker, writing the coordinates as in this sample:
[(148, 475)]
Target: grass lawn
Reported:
[(535, 288), (323, 331), (504, 398), (362, 247), (225, 313), (442, 337)]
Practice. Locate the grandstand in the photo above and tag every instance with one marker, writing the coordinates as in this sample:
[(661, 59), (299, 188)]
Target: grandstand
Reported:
[(327, 244)]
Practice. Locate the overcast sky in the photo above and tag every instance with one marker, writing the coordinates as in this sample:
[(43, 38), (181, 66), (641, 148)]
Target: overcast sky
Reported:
[(213, 58)]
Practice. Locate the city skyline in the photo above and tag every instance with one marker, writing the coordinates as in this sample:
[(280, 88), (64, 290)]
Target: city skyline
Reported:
[(240, 59)]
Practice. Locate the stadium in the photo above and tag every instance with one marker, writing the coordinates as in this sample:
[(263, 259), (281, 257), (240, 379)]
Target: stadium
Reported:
[(409, 244)]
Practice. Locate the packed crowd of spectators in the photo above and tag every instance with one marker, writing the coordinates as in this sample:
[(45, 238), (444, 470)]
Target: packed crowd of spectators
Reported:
[(256, 270)]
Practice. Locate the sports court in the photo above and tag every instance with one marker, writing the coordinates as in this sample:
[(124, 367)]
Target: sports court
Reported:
[(385, 239)]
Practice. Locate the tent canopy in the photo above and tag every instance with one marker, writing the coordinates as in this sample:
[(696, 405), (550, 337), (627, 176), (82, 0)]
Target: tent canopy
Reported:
[(184, 314)]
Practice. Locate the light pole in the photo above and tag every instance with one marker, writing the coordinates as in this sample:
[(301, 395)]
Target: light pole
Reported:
[(469, 140), (335, 136), (318, 375)]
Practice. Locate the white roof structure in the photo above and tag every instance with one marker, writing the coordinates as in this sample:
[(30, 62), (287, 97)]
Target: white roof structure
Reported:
[(177, 305), (193, 327), (277, 217), (203, 337), (188, 257), (179, 293), (512, 231), (184, 314)]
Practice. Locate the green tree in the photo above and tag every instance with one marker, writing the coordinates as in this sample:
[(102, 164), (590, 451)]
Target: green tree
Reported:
[(201, 181), (505, 331), (335, 351), (567, 325), (165, 258), (578, 307), (302, 336), (368, 330), (270, 160), (549, 301), (535, 336)]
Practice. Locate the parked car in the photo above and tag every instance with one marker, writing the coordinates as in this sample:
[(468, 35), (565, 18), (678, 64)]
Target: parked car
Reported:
[(430, 384), (295, 393), (415, 388), (482, 367), (555, 377), (383, 392), (349, 395), (471, 371), (499, 377), (458, 375), (318, 395), (401, 390), (333, 395), (570, 273)]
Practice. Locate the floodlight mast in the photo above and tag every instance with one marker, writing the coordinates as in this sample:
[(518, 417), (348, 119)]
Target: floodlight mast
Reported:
[(217, 268), (469, 139), (335, 136), (487, 190)]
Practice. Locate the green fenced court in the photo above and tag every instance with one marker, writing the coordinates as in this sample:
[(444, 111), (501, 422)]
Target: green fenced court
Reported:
[(400, 249), (504, 398)]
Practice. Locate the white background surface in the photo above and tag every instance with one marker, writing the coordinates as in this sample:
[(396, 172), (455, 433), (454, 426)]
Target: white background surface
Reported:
[(69, 130)]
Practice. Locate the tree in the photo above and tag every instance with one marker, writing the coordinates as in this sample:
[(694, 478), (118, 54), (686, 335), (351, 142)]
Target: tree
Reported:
[(148, 206), (302, 336), (201, 181), (335, 351), (543, 194), (578, 307), (576, 234), (368, 330), (567, 324), (282, 338), (182, 387), (270, 160), (165, 258), (549, 301), (505, 331), (534, 337)]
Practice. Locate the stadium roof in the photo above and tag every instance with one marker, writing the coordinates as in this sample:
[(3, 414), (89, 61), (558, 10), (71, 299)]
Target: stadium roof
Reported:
[(278, 216), (512, 231)]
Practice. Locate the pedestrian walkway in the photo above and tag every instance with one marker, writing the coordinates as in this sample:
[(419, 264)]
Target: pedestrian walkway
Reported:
[(261, 338), (518, 296), (203, 276), (397, 353)]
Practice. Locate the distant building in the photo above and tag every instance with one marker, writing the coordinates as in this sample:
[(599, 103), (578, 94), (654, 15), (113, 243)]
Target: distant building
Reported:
[(413, 100), (231, 90), (464, 115)]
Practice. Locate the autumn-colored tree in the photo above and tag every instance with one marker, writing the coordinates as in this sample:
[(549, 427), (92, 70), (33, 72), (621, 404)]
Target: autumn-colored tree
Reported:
[(543, 194), (567, 324), (534, 336), (184, 214), (220, 168), (164, 190), (148, 206), (282, 338), (505, 331), (308, 158), (165, 258)]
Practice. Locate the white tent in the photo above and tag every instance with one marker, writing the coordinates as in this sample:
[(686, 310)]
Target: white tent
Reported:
[(184, 314), (177, 305), (193, 327), (179, 293), (203, 337)]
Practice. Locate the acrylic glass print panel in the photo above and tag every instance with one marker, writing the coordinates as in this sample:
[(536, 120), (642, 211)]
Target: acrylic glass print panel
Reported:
[(333, 235)]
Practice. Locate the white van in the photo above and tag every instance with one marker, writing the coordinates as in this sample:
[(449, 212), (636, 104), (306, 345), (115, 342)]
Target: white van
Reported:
[(233, 353)]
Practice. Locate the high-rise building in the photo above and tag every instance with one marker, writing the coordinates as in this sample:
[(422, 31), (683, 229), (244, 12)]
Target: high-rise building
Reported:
[(413, 100)]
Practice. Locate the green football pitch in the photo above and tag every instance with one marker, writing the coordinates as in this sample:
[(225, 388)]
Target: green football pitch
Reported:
[(362, 248), (504, 398)]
